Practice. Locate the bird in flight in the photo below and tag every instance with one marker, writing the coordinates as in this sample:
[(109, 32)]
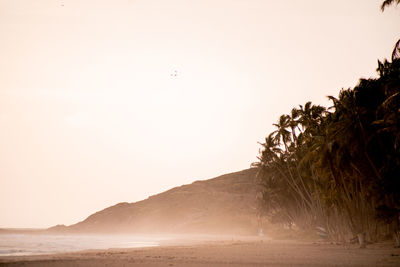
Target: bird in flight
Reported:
[(174, 74)]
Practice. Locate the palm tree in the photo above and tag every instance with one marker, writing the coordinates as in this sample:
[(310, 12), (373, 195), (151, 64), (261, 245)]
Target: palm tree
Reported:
[(281, 133), (338, 168)]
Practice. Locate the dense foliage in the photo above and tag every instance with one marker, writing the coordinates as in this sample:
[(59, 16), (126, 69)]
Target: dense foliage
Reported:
[(338, 167)]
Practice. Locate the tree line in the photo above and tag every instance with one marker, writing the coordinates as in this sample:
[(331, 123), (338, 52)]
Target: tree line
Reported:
[(338, 168)]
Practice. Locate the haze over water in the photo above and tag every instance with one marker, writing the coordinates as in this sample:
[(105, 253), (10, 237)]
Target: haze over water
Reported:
[(35, 244)]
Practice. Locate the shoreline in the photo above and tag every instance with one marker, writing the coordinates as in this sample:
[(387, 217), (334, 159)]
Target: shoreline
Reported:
[(237, 252)]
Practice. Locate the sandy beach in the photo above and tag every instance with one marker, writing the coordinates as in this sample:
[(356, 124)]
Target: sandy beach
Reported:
[(240, 252)]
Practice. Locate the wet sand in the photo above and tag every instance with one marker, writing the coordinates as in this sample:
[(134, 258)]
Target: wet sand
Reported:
[(223, 253)]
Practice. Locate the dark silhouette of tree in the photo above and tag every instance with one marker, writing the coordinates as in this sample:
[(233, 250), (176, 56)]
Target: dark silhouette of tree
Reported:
[(338, 168)]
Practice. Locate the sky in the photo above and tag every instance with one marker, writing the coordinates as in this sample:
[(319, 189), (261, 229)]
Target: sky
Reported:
[(104, 102)]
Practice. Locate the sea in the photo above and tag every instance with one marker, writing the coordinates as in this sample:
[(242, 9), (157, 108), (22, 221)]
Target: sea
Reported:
[(37, 244)]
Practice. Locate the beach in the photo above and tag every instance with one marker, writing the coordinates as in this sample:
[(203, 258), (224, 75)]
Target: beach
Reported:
[(234, 252)]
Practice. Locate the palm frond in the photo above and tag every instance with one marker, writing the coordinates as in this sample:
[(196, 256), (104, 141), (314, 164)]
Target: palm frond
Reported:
[(396, 50), (388, 3)]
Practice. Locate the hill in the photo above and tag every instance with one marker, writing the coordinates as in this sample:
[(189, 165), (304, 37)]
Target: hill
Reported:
[(223, 205)]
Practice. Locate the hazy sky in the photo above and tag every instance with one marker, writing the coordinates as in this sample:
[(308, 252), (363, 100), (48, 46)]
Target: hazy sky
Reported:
[(90, 115)]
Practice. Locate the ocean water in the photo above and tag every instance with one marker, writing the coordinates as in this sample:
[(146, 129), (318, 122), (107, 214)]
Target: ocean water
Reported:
[(36, 244)]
